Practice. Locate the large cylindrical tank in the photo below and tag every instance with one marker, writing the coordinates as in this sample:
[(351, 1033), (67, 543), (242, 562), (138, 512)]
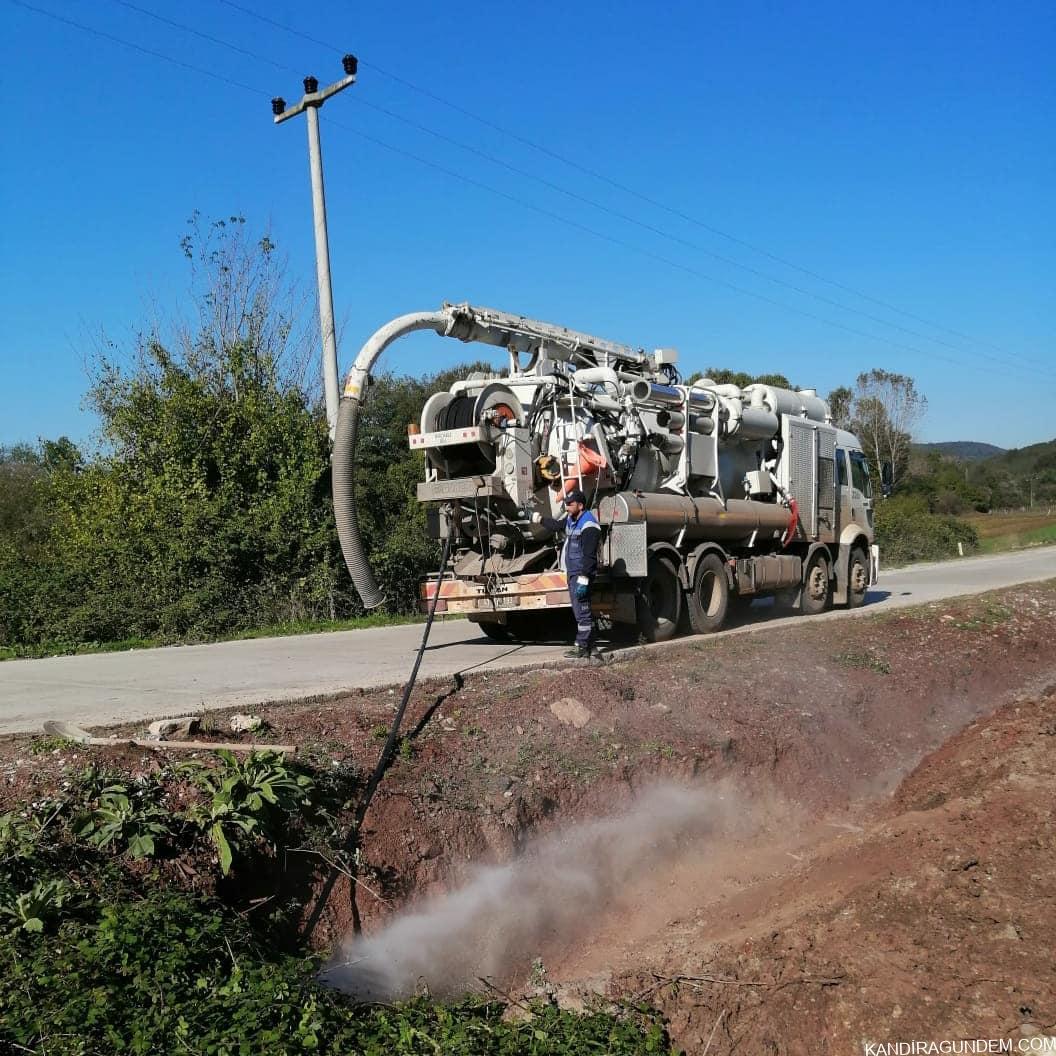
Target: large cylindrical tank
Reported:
[(668, 516), (803, 404)]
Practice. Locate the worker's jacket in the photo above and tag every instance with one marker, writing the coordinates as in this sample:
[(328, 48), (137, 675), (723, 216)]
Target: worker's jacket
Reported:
[(580, 554)]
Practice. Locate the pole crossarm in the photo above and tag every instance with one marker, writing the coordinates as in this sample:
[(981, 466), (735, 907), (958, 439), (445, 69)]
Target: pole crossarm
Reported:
[(315, 98)]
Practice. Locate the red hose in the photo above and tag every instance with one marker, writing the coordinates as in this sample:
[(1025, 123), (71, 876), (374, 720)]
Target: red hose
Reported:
[(793, 523)]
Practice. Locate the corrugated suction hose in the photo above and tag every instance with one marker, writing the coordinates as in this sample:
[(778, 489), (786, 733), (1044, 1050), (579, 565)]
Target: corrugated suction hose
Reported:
[(344, 492)]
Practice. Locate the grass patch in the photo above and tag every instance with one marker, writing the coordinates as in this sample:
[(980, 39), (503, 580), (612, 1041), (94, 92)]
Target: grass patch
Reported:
[(274, 630), (1041, 535), (43, 745), (297, 627), (64, 648), (658, 748), (990, 525), (863, 660), (985, 616)]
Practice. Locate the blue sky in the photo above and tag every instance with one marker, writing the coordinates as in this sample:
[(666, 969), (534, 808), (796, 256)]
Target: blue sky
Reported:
[(904, 150)]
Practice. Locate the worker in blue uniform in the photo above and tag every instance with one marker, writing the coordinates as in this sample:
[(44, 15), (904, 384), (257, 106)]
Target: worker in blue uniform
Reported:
[(579, 558)]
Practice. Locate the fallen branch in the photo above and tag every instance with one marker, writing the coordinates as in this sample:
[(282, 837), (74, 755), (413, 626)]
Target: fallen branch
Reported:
[(508, 998), (75, 733), (711, 1036), (719, 980), (343, 870)]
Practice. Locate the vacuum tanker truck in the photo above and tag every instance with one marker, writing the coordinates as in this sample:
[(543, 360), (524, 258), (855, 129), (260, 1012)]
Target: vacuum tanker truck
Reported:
[(708, 495)]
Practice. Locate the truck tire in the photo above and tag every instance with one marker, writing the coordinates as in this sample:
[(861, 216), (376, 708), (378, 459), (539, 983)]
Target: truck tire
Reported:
[(659, 600), (817, 585), (497, 632), (857, 578), (709, 600)]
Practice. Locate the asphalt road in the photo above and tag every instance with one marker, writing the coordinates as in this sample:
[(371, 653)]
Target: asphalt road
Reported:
[(182, 680)]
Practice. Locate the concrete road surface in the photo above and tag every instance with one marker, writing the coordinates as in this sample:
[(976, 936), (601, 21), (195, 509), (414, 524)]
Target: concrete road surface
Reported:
[(181, 680)]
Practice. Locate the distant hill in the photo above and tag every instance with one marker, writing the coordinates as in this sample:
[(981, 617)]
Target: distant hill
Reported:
[(1037, 458), (966, 450), (960, 476)]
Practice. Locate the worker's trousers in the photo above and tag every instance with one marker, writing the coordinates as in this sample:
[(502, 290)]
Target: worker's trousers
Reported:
[(584, 617)]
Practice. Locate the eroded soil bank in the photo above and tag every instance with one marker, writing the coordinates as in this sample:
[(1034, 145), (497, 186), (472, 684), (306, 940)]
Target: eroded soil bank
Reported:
[(865, 853)]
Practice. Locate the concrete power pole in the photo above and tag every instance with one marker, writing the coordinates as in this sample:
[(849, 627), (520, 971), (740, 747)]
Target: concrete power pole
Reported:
[(310, 104)]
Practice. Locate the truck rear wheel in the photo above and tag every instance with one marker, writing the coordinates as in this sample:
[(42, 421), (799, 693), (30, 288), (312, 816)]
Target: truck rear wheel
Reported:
[(659, 600), (857, 578), (817, 585), (709, 600), (530, 626), (497, 632)]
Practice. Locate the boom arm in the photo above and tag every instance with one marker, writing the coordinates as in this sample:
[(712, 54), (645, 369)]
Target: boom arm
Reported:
[(488, 326)]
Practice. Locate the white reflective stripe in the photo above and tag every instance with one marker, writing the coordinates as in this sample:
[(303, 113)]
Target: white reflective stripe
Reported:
[(591, 524)]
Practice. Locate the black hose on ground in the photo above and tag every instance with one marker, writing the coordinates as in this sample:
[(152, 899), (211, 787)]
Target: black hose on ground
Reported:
[(344, 484), (384, 759), (394, 732)]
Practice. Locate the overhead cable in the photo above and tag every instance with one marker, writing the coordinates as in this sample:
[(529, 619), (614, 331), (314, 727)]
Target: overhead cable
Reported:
[(480, 184), (648, 199)]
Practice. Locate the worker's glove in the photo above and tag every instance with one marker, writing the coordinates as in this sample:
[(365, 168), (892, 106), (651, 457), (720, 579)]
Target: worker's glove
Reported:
[(537, 518), (582, 588)]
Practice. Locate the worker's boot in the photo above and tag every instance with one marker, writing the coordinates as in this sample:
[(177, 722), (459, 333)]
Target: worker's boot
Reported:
[(579, 652)]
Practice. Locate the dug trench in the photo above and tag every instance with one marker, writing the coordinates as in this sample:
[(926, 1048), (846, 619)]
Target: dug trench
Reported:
[(804, 840), (789, 841)]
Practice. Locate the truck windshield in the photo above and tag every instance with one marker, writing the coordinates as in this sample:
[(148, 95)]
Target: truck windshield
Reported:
[(860, 474)]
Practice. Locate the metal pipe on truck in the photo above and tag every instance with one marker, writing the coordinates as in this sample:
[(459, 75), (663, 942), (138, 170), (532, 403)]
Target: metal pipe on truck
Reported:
[(668, 516)]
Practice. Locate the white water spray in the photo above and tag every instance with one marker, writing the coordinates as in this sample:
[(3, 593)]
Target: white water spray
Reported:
[(544, 900)]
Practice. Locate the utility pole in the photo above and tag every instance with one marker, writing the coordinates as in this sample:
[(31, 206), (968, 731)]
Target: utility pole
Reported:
[(311, 102)]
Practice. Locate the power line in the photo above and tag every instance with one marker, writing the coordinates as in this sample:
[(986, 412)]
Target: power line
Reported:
[(535, 177), (202, 36), (525, 174), (641, 251), (135, 47), (542, 180), (656, 203), (523, 203)]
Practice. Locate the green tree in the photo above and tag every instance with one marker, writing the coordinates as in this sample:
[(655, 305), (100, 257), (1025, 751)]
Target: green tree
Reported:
[(207, 507), (884, 410), (725, 376), (840, 402)]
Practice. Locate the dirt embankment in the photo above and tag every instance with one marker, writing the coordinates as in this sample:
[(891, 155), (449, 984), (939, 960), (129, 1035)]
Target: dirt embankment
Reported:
[(865, 853)]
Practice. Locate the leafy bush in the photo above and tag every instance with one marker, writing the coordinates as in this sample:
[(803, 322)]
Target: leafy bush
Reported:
[(128, 818), (247, 798), (31, 910), (907, 532), (170, 973), (130, 965), (207, 509)]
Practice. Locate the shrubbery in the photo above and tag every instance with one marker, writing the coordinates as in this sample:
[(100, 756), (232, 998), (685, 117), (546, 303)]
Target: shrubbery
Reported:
[(906, 531), (101, 956), (207, 509)]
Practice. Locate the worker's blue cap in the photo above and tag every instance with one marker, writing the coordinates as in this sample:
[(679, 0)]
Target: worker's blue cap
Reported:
[(575, 495)]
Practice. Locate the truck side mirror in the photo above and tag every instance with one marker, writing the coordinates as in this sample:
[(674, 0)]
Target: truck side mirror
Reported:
[(887, 477)]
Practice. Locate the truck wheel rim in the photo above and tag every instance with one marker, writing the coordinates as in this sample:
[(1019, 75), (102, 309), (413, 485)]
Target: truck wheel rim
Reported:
[(708, 593), (818, 582), (858, 582)]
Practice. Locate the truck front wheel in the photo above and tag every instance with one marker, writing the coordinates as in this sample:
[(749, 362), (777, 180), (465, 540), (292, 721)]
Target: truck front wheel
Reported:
[(709, 599), (857, 579)]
